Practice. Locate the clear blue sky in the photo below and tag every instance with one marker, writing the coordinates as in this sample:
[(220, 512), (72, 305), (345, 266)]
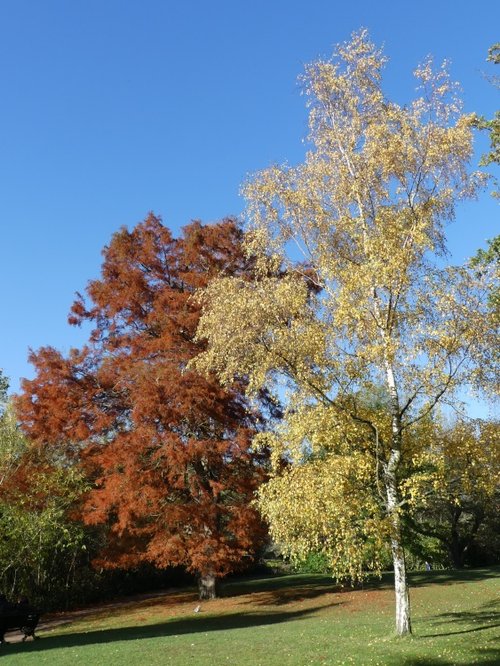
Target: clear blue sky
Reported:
[(112, 108)]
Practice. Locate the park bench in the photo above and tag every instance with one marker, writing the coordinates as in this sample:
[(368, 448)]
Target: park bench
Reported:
[(18, 618)]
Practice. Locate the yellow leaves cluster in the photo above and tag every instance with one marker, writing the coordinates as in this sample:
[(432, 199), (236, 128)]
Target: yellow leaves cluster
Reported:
[(256, 328), (326, 498), (327, 506), (369, 201), (454, 464)]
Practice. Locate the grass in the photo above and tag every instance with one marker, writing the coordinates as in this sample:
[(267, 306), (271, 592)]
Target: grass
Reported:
[(289, 620)]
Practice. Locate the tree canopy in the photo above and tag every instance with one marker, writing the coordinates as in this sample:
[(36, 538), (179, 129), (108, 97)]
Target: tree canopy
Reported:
[(167, 449), (366, 212)]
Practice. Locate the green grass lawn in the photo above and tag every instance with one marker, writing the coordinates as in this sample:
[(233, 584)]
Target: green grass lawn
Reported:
[(282, 621)]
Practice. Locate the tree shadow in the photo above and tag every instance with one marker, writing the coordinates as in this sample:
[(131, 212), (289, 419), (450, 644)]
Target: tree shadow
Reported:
[(487, 616), (119, 607), (277, 588), (285, 588), (244, 586), (484, 658), (435, 577), (452, 576), (282, 590), (174, 627)]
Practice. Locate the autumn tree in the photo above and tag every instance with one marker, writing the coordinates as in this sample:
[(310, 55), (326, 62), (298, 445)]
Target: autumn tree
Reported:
[(455, 485), (366, 211), (167, 450)]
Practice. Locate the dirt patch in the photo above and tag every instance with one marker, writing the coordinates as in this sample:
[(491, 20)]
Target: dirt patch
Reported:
[(377, 599)]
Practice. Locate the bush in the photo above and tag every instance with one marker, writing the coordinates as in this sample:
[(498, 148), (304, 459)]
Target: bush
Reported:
[(314, 563)]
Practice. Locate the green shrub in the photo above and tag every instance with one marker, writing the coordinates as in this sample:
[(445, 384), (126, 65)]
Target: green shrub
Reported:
[(314, 563)]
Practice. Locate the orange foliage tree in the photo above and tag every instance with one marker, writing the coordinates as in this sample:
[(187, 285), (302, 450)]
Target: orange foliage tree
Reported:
[(168, 450)]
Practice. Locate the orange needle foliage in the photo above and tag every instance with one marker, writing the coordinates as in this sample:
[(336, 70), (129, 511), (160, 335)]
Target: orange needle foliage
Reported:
[(167, 449)]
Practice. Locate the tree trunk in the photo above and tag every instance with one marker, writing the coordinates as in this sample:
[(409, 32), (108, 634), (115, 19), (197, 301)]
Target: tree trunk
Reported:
[(459, 545), (456, 547), (207, 586), (403, 621)]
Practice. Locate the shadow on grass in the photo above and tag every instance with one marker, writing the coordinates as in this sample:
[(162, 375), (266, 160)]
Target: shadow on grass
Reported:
[(281, 590), (453, 576), (486, 616), (423, 578), (117, 609), (287, 588), (175, 627), (277, 582), (485, 658)]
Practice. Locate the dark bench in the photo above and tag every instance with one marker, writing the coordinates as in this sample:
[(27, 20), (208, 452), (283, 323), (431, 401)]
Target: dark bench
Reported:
[(23, 619)]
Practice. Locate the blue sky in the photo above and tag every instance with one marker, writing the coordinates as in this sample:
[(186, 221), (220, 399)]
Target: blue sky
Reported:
[(113, 108)]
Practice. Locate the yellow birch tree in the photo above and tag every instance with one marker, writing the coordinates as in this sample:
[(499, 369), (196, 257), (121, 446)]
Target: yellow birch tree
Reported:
[(350, 292)]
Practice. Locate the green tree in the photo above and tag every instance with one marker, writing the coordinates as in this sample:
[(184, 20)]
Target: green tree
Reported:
[(366, 210), (41, 546), (493, 125), (489, 260)]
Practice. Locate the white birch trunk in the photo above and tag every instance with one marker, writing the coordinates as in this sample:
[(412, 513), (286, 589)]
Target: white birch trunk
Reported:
[(403, 622)]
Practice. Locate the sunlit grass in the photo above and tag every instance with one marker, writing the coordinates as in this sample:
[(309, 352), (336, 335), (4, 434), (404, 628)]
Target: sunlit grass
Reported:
[(295, 620)]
